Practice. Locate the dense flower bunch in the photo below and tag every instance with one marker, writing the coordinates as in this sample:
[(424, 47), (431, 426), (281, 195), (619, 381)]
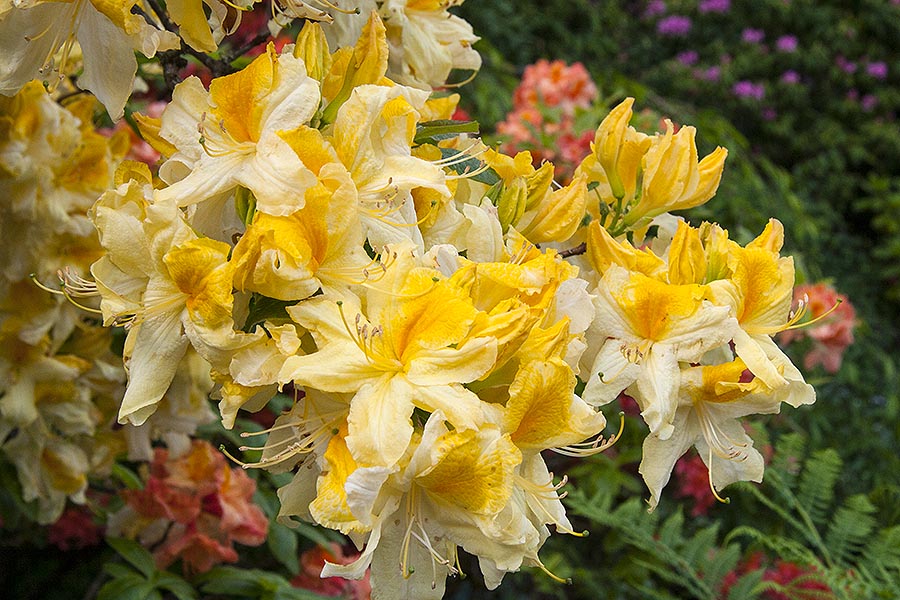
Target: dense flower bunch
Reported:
[(193, 507), (550, 116), (320, 226)]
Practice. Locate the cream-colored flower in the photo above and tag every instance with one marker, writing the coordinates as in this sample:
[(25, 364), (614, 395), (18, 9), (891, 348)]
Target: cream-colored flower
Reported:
[(409, 346), (649, 327), (37, 37), (233, 135)]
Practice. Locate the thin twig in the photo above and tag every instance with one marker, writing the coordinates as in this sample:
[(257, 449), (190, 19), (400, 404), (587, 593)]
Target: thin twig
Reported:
[(579, 249)]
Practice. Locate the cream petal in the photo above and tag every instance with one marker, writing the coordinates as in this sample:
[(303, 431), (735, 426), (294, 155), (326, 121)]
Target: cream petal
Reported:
[(659, 456), (460, 406), (609, 375), (755, 357), (109, 63), (453, 365), (157, 345), (657, 387), (276, 176), (379, 423)]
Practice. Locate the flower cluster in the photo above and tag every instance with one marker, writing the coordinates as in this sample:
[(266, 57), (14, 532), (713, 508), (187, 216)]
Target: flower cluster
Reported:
[(320, 226), (547, 119), (194, 508)]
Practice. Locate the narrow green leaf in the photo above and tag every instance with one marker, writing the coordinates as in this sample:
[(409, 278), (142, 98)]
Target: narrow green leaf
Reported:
[(135, 554)]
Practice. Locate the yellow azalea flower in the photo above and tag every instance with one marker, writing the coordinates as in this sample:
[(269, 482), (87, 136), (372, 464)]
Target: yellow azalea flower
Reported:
[(409, 348), (648, 327), (711, 400), (639, 177), (427, 42), (233, 135), (373, 135), (37, 38), (759, 291), (456, 490), (321, 245), (616, 154), (672, 177), (158, 279)]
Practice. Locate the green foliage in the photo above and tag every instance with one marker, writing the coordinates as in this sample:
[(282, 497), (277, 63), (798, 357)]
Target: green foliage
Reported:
[(232, 582), (140, 579), (843, 541)]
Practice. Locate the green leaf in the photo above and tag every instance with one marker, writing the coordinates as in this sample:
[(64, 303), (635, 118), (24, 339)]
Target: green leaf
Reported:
[(129, 478), (431, 132), (126, 588), (179, 588), (135, 554), (470, 165), (283, 544), (746, 588), (262, 308)]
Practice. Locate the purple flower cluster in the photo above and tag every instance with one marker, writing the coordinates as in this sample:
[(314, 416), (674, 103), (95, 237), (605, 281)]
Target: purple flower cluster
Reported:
[(714, 6), (878, 70), (655, 8), (674, 26), (790, 77), (753, 36), (847, 66), (710, 74), (748, 89), (688, 57), (786, 43)]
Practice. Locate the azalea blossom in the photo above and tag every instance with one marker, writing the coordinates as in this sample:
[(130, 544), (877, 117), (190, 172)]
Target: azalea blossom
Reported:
[(37, 41)]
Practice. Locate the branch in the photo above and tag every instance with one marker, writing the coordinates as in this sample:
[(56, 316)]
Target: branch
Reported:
[(579, 249)]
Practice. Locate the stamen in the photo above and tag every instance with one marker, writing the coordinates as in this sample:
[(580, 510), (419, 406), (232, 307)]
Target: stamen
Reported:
[(556, 578), (802, 309), (596, 446), (725, 500)]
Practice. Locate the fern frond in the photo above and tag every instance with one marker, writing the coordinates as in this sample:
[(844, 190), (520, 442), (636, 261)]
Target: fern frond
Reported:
[(850, 528), (815, 490)]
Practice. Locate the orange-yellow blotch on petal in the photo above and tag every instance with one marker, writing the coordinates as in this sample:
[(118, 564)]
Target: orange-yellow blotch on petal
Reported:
[(240, 97), (330, 506), (652, 306), (200, 270), (476, 474)]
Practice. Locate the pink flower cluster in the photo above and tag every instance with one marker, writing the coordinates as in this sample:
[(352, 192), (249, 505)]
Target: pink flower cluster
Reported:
[(311, 563), (194, 508), (831, 334), (543, 117), (801, 582)]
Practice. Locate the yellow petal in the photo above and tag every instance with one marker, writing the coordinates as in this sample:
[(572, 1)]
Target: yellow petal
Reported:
[(687, 260)]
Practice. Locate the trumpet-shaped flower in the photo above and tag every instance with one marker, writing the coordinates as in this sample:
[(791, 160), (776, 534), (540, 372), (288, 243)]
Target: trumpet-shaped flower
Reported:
[(234, 135), (157, 278), (758, 289), (711, 400), (409, 347), (373, 135), (37, 39), (649, 327)]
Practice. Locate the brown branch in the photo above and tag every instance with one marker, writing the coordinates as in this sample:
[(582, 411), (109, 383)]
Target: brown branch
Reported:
[(579, 249)]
